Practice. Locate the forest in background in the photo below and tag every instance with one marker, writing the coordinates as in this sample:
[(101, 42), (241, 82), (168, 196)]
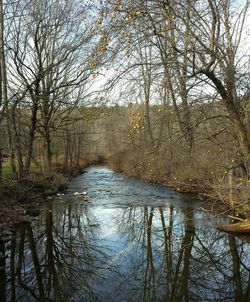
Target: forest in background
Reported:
[(158, 89)]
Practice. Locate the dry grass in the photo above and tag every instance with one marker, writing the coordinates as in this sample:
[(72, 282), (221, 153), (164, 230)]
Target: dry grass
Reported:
[(206, 174)]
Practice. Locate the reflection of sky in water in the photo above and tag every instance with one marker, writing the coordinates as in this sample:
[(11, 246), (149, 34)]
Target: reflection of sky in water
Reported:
[(124, 195), (120, 246)]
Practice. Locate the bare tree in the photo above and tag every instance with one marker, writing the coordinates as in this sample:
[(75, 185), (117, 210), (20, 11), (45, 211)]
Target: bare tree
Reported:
[(50, 59)]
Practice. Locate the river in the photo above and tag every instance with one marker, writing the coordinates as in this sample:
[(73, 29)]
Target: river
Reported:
[(125, 240)]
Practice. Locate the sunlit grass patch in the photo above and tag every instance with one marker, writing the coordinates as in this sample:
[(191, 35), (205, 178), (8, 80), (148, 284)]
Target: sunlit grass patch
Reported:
[(6, 168)]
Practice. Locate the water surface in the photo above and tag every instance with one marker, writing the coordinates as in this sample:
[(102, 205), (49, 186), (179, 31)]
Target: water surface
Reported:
[(130, 241)]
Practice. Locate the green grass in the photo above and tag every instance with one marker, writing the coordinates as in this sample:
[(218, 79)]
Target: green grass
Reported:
[(6, 168), (7, 172)]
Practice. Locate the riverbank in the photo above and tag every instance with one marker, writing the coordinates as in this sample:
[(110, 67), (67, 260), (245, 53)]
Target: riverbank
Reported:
[(217, 196), (20, 199)]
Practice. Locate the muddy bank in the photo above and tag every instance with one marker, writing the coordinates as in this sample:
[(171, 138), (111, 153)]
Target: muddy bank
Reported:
[(20, 200)]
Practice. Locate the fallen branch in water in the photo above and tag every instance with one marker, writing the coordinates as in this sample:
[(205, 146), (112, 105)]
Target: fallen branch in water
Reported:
[(239, 227), (236, 218), (205, 210)]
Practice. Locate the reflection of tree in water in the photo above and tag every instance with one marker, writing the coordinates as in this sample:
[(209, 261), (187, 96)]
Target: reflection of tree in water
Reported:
[(2, 273), (171, 261), (161, 257), (57, 262)]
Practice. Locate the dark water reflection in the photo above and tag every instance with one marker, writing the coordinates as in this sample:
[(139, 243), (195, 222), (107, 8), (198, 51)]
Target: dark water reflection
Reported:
[(130, 242)]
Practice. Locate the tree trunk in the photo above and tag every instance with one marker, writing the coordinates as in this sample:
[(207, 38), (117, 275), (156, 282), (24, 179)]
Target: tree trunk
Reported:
[(4, 91), (238, 126), (47, 154), (1, 155), (31, 133), (16, 135), (148, 124), (183, 119), (236, 268), (3, 277), (37, 267)]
